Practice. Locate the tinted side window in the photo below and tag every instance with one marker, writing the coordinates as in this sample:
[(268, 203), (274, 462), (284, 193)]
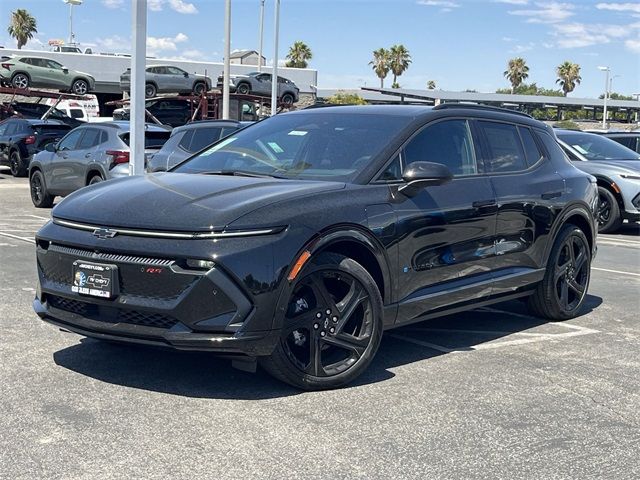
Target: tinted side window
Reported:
[(448, 142), (628, 142), (69, 142), (11, 128), (3, 128), (90, 139), (530, 146), (185, 142), (228, 131), (203, 137), (504, 148), (550, 144)]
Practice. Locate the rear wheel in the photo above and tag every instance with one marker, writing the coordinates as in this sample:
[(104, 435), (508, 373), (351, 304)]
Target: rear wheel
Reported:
[(244, 89), (95, 179), (332, 326), (39, 194), (150, 90), (561, 293), (80, 87), (287, 99), (608, 215), (18, 168), (20, 80)]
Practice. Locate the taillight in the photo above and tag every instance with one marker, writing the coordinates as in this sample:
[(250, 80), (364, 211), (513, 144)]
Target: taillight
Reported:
[(7, 66), (30, 140), (118, 156)]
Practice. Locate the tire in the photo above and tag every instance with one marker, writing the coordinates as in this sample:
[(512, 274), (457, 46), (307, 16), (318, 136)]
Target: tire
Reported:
[(150, 90), (319, 350), (40, 197), (243, 89), (20, 80), (80, 87), (95, 179), (564, 287), (199, 88), (18, 168), (288, 99), (608, 216)]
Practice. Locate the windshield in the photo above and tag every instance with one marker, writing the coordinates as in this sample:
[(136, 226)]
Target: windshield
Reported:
[(301, 145), (595, 147)]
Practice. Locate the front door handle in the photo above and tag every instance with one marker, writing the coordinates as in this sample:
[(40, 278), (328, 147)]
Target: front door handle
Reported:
[(483, 203), (550, 195)]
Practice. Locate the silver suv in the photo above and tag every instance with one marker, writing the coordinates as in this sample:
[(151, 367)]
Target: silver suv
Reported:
[(257, 83), (87, 155)]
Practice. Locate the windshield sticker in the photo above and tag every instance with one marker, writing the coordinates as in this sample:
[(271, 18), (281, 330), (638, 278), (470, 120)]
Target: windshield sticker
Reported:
[(580, 149), (218, 146), (275, 147), (297, 133)]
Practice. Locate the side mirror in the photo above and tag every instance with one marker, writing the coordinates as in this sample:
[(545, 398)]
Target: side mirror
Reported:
[(186, 74), (51, 147), (418, 175), (65, 70)]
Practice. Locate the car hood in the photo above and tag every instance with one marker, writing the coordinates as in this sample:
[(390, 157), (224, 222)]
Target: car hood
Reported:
[(609, 166), (179, 201)]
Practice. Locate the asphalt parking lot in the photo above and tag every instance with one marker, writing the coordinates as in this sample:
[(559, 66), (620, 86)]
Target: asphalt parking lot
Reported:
[(492, 393)]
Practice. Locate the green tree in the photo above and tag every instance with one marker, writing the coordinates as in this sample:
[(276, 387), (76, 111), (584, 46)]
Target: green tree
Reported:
[(299, 55), (22, 27), (531, 89), (381, 64), (345, 98), (399, 62), (431, 84), (517, 72), (568, 76), (617, 96)]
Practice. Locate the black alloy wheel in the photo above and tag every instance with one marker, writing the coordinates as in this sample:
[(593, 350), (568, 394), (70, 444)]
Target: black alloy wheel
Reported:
[(562, 292), (39, 195), (608, 214), (150, 90), (287, 99), (199, 88), (332, 326), (16, 164), (244, 89)]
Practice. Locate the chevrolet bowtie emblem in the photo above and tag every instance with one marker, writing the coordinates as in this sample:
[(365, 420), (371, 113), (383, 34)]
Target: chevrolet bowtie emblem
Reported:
[(104, 233)]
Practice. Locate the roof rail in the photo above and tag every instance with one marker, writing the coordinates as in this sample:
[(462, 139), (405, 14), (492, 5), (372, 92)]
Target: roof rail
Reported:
[(445, 106)]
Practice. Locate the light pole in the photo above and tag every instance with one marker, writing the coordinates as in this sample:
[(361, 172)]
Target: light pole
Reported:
[(607, 70), (227, 60), (637, 95), (261, 35), (137, 103), (71, 3), (274, 77)]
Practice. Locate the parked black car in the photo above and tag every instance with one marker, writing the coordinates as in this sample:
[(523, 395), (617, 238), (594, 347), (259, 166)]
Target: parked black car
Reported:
[(628, 139), (37, 111), (168, 111), (21, 139), (189, 139), (298, 240)]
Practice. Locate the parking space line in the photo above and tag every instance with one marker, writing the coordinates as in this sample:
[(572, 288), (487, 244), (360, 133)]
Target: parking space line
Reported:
[(620, 272), (24, 239), (433, 346), (618, 239), (41, 218)]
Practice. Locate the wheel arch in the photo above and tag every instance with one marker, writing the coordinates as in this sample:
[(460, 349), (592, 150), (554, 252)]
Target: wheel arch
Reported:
[(579, 215), (22, 72), (610, 185), (91, 172)]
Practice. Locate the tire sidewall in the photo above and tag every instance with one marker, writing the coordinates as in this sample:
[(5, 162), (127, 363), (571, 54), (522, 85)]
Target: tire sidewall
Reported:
[(20, 75), (244, 89), (16, 159), (292, 375), (79, 82), (150, 87), (42, 186), (95, 179), (615, 220)]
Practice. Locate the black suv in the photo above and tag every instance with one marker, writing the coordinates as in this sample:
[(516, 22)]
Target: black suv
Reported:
[(298, 240), (37, 111), (628, 139), (21, 139)]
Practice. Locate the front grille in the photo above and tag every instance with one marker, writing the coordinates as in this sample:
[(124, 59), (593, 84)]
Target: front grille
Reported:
[(110, 257), (106, 314)]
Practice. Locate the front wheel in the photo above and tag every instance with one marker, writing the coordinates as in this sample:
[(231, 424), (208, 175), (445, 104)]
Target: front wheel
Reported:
[(608, 215), (199, 88), (563, 289), (288, 99), (332, 326), (40, 197), (243, 89), (80, 87), (150, 90)]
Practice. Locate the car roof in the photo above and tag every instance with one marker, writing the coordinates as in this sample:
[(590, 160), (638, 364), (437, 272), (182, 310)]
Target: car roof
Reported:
[(565, 131), (36, 121), (207, 123), (124, 125)]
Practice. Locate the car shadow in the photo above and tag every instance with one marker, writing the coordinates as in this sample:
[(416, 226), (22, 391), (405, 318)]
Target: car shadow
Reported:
[(202, 375), (629, 230)]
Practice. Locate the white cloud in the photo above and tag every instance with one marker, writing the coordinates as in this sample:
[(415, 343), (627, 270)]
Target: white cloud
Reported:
[(523, 48), (513, 2), (576, 35), (113, 3), (156, 44), (633, 44), (546, 12), (508, 39), (446, 5), (619, 7), (154, 5), (183, 7)]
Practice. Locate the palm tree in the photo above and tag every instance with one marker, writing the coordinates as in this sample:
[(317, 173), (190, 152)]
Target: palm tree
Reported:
[(298, 55), (22, 26), (517, 71), (568, 76), (399, 62), (380, 64), (431, 84)]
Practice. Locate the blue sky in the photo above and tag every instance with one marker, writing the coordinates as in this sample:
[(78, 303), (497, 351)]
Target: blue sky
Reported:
[(458, 43)]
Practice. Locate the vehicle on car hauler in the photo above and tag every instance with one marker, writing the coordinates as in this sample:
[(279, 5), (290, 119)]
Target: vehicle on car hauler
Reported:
[(298, 240)]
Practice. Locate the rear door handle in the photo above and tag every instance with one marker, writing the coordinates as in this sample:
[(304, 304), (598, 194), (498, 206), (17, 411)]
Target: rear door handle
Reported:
[(483, 203), (550, 195)]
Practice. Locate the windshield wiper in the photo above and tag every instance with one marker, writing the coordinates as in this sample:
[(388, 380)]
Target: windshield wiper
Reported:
[(241, 173)]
